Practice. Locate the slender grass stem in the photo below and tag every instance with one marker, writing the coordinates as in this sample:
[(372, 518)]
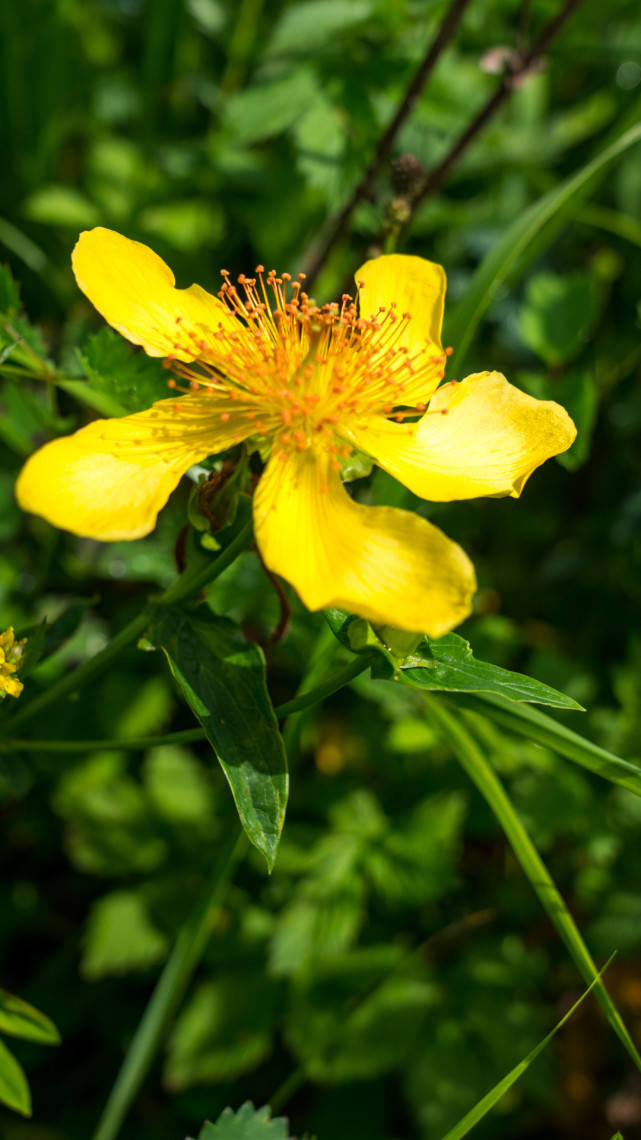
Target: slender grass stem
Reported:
[(336, 680), (193, 580), (172, 984), (467, 752)]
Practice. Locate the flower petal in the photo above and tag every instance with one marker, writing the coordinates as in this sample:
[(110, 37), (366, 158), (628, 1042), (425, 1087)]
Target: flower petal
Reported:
[(133, 289), (109, 480), (491, 439), (414, 285), (389, 566)]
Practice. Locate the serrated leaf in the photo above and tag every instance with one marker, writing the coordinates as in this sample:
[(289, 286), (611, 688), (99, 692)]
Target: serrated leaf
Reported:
[(14, 1090), (448, 665), (20, 1019), (222, 678), (248, 1123), (114, 368)]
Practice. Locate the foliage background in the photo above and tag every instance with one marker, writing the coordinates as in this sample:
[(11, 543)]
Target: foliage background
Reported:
[(396, 952)]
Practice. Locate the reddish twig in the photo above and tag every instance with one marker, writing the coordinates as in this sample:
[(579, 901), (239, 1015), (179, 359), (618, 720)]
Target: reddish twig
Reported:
[(316, 257), (511, 80)]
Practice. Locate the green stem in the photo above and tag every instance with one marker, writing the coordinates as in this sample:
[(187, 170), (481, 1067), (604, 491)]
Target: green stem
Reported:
[(190, 582), (556, 736), (337, 680), (469, 755), (82, 675), (171, 986)]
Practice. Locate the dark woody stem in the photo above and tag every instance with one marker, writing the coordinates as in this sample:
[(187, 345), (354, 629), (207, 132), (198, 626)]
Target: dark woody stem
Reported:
[(434, 180), (315, 258)]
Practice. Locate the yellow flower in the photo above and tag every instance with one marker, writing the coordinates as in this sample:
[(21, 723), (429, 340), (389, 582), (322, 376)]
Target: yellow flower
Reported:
[(10, 654), (262, 360)]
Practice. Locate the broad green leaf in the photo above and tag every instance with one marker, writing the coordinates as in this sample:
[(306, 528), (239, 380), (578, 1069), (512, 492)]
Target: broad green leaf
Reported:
[(222, 678), (59, 205), (494, 1096), (115, 369), (553, 734), (315, 21), (268, 109), (120, 936), (248, 1123), (558, 314), (14, 1090), (20, 1019), (465, 748), (446, 664), (495, 267)]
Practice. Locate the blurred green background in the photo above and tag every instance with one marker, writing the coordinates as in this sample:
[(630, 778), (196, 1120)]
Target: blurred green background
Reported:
[(396, 959)]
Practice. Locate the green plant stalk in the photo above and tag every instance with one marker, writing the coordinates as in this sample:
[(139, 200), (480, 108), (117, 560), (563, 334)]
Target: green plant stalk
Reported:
[(173, 982), (337, 680), (469, 755), (552, 734), (189, 583)]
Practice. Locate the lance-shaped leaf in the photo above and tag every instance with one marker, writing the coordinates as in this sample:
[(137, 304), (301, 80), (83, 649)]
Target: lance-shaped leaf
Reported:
[(222, 678), (20, 1019), (445, 665), (448, 665), (14, 1090)]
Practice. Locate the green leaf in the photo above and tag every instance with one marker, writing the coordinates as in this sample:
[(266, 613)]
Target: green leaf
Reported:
[(448, 665), (20, 1019), (495, 1094), (268, 109), (558, 315), (222, 678), (464, 746), (443, 665), (248, 1123), (115, 369), (494, 268), (315, 22), (120, 936), (9, 293), (552, 734), (58, 205), (14, 1090)]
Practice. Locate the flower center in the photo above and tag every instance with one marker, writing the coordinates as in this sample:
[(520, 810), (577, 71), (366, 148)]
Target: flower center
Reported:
[(299, 370)]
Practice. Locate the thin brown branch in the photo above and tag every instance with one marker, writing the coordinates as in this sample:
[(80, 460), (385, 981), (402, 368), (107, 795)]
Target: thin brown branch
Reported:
[(317, 255), (511, 80)]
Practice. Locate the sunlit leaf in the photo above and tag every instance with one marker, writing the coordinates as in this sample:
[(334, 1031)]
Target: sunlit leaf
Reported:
[(248, 1123), (222, 678), (20, 1019), (14, 1090)]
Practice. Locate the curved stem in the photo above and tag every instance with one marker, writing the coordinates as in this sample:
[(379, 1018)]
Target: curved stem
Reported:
[(171, 986), (467, 752), (336, 680)]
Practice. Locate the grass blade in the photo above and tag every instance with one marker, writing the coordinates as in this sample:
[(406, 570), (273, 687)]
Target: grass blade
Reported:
[(466, 1124), (552, 734), (483, 776), (493, 270)]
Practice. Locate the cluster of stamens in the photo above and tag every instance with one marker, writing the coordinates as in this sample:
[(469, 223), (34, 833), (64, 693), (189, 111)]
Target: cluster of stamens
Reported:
[(298, 370)]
